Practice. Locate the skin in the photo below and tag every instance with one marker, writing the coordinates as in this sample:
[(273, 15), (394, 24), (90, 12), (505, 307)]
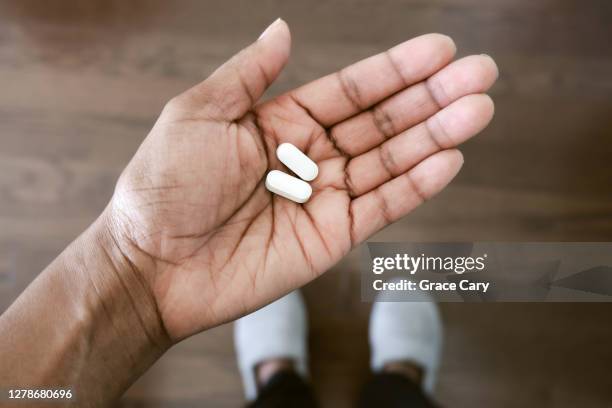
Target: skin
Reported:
[(192, 239)]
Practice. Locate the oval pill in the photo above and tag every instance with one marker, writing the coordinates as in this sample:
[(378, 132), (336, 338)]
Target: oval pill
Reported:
[(288, 186), (297, 162)]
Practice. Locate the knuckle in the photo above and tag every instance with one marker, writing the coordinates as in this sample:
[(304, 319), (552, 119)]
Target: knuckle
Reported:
[(174, 104)]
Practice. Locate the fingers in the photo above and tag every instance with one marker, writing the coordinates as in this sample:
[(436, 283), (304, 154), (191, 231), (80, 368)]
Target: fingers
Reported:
[(448, 128), (473, 74), (396, 198), (340, 95), (237, 85)]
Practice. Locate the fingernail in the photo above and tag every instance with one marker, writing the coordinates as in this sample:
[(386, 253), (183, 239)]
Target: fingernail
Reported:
[(269, 28)]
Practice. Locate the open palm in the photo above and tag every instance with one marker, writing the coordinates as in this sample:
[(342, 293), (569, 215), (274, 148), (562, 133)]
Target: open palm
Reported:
[(191, 209)]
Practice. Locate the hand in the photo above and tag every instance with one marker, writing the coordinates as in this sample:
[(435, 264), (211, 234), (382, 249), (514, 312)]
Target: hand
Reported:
[(191, 212)]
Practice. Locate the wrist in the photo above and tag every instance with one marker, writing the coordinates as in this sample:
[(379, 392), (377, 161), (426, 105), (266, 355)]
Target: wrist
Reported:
[(88, 322), (122, 290), (120, 323), (123, 321)]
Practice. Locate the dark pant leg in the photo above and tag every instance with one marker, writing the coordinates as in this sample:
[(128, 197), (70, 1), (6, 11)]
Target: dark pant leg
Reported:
[(393, 391), (285, 389)]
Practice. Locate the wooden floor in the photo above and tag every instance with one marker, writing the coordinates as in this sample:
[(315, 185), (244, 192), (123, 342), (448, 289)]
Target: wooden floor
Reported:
[(82, 81)]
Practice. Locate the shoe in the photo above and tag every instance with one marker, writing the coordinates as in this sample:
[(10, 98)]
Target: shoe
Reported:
[(277, 330), (410, 330)]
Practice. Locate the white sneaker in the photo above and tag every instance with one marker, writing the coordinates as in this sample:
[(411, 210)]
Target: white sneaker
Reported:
[(410, 330), (278, 330)]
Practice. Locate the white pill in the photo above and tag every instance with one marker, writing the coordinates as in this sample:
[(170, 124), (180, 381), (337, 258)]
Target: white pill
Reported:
[(297, 161), (288, 186)]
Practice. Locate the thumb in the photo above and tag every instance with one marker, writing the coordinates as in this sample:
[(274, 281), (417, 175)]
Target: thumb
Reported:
[(239, 83)]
